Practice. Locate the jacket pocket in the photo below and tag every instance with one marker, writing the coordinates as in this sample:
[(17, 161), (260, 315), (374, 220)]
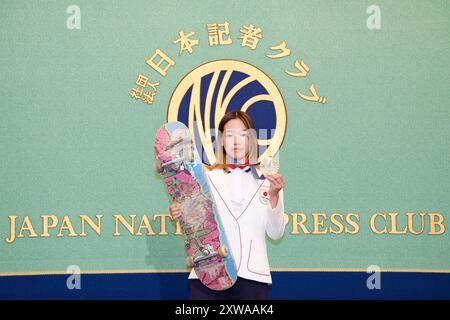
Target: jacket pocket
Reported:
[(257, 261)]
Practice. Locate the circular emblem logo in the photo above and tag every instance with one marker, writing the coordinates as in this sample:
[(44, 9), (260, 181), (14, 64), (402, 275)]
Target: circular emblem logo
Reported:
[(206, 93)]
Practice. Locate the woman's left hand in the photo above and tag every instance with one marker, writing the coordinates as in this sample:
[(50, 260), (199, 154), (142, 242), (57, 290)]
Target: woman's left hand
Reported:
[(276, 184)]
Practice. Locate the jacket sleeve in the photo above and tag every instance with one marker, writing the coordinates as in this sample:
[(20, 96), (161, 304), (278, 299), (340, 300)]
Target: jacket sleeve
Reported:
[(275, 219)]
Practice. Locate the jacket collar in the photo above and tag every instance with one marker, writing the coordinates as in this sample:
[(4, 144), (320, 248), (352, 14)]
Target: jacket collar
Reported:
[(219, 182)]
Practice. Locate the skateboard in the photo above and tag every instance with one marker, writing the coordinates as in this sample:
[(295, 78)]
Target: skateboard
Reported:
[(178, 162)]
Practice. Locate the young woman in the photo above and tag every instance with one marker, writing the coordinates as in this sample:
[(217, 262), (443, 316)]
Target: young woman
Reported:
[(250, 205)]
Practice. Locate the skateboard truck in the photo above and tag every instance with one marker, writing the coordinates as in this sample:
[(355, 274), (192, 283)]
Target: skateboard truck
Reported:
[(176, 160), (206, 252)]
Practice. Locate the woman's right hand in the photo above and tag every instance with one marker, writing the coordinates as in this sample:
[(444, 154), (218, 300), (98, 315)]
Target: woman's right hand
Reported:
[(175, 210)]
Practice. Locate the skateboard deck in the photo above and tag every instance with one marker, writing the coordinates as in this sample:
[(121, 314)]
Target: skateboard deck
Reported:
[(182, 170)]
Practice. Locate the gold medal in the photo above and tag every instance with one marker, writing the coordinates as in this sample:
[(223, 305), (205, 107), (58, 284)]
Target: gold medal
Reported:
[(269, 165)]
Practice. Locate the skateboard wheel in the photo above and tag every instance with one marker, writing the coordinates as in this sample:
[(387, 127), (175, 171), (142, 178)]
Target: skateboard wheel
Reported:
[(190, 261), (223, 252), (158, 167)]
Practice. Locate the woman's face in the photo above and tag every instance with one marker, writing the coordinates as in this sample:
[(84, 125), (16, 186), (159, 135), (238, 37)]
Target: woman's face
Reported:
[(236, 140)]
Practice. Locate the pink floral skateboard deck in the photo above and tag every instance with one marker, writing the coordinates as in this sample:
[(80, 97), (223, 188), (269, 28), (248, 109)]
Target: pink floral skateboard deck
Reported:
[(182, 170)]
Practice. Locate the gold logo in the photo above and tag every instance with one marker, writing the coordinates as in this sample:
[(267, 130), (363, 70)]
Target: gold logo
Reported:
[(206, 93)]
